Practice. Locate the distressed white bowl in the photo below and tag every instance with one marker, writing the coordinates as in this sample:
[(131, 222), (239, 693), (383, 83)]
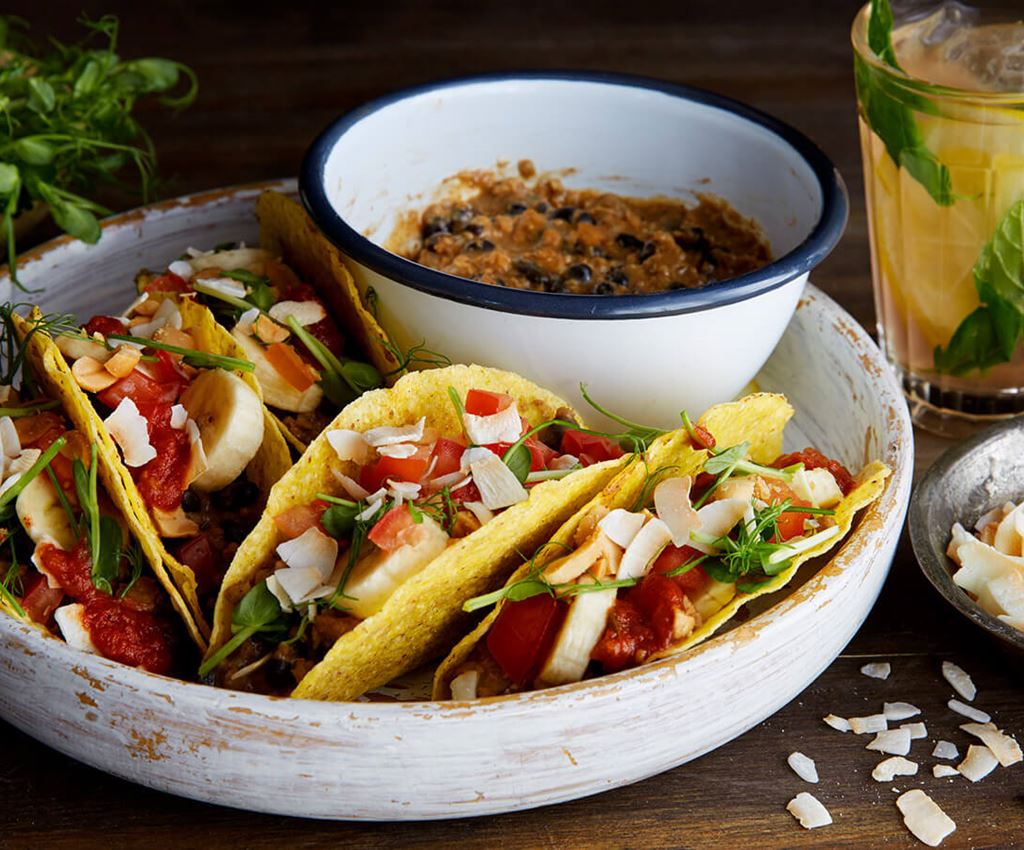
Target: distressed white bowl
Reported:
[(643, 356), (418, 760)]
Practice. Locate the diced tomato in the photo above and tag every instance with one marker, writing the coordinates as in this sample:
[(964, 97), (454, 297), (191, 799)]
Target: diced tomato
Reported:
[(671, 558), (813, 459), (165, 368), (391, 530), (141, 389), (168, 282), (104, 325), (791, 523), (300, 518), (541, 454), (197, 554), (326, 330), (521, 634), (290, 366), (466, 493), (122, 633), (701, 483), (486, 403), (162, 481), (657, 598), (702, 438), (41, 600), (374, 475), (449, 456), (589, 448), (625, 639)]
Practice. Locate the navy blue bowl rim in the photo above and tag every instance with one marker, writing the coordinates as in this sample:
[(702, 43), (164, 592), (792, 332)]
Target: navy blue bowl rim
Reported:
[(808, 254)]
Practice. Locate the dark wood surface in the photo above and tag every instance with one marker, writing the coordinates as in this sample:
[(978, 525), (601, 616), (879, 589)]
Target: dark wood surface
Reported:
[(272, 75)]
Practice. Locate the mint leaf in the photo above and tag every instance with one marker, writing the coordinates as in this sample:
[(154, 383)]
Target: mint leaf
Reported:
[(880, 25)]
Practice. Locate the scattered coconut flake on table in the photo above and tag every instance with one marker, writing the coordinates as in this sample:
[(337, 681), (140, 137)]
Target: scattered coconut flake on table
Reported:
[(840, 724), (803, 767), (944, 771), (923, 817), (978, 764), (899, 710), (893, 741), (871, 723), (968, 711), (877, 669), (1004, 747), (945, 750), (809, 811), (916, 730), (890, 768), (959, 680)]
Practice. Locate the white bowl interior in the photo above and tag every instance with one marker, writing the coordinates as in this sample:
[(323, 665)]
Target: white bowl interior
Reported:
[(614, 136)]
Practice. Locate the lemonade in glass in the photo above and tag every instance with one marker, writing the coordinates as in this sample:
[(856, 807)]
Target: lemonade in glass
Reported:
[(941, 113)]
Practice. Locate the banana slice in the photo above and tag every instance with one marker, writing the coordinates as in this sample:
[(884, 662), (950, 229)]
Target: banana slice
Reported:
[(230, 419), (277, 392), (41, 514)]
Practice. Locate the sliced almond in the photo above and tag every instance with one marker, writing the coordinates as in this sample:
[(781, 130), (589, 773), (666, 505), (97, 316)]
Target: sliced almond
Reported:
[(269, 331), (174, 523), (124, 360), (174, 336), (91, 375)]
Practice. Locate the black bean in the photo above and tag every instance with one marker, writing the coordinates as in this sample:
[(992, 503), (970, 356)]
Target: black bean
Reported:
[(279, 674), (564, 213), (434, 225), (480, 245), (473, 228), (692, 239), (585, 218), (648, 251), (239, 494), (191, 502), (579, 271), (597, 251), (530, 271), (462, 215), (234, 532), (516, 208), (618, 277), (629, 242), (541, 207), (603, 288), (553, 285)]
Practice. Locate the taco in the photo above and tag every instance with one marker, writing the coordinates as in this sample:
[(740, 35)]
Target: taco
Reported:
[(181, 424), (414, 499), (663, 557), (71, 562), (293, 310)]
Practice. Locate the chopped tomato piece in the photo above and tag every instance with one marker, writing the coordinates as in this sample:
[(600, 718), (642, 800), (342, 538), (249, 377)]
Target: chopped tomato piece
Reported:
[(657, 598), (466, 493), (391, 530), (449, 456), (671, 558), (162, 481), (166, 368), (104, 325), (791, 523), (374, 475), (486, 403), (199, 556), (813, 459), (290, 366), (141, 389), (541, 454), (300, 518), (702, 438), (71, 569), (589, 448), (168, 282), (41, 600), (522, 633), (625, 638)]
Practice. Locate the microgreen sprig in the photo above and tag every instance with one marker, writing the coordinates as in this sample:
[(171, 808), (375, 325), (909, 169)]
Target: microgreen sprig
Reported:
[(259, 612), (193, 357)]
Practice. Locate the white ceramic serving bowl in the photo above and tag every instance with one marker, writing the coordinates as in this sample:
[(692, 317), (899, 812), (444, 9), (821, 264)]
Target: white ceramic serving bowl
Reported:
[(643, 356), (415, 760)]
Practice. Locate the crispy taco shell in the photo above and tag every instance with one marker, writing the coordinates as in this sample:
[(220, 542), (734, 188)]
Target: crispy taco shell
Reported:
[(424, 616)]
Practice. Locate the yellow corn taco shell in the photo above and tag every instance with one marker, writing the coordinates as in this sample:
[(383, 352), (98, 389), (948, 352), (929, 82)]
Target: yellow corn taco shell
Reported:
[(48, 365), (758, 419), (271, 461), (424, 616)]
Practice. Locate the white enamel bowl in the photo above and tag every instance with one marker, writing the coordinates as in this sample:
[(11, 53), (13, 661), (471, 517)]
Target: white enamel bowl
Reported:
[(419, 760), (644, 356)]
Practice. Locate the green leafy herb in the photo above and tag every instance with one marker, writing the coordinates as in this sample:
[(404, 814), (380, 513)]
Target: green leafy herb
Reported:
[(888, 111), (637, 436), (102, 532), (259, 613), (259, 293), (7, 583), (199, 359), (136, 560), (339, 520), (989, 335), (67, 124), (418, 355), (341, 380), (460, 411), (16, 349)]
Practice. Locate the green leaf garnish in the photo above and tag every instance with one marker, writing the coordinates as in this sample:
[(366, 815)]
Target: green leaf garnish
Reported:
[(259, 294), (259, 612), (342, 381), (199, 359)]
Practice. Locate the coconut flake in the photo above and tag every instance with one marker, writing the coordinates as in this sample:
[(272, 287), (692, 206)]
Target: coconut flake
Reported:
[(916, 730), (803, 767), (179, 416), (888, 769), (407, 490), (672, 504), (310, 550), (388, 435), (198, 462), (10, 482), (923, 817), (1004, 747), (226, 286), (298, 583), (877, 670), (167, 315), (498, 485), (621, 526), (899, 710), (353, 489), (349, 445), (9, 437), (871, 723), (643, 549), (717, 519), (809, 811), (279, 593), (305, 312), (182, 268), (840, 724), (979, 763), (71, 621), (943, 771), (483, 514), (959, 680), (130, 431), (968, 711), (374, 503), (463, 686), (247, 320), (894, 741), (945, 750), (505, 426), (398, 450)]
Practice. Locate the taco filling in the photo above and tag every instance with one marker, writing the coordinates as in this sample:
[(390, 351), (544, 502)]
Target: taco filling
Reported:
[(409, 494)]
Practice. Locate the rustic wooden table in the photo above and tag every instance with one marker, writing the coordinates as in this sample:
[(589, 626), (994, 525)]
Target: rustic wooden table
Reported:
[(272, 76)]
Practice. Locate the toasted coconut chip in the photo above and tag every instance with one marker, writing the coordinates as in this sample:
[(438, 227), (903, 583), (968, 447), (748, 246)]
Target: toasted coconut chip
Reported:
[(959, 680), (803, 767), (840, 724), (916, 730), (890, 768), (899, 710), (895, 741), (968, 711), (869, 724), (943, 771), (352, 488), (923, 817), (945, 750), (809, 811), (877, 669), (978, 764), (1004, 747)]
